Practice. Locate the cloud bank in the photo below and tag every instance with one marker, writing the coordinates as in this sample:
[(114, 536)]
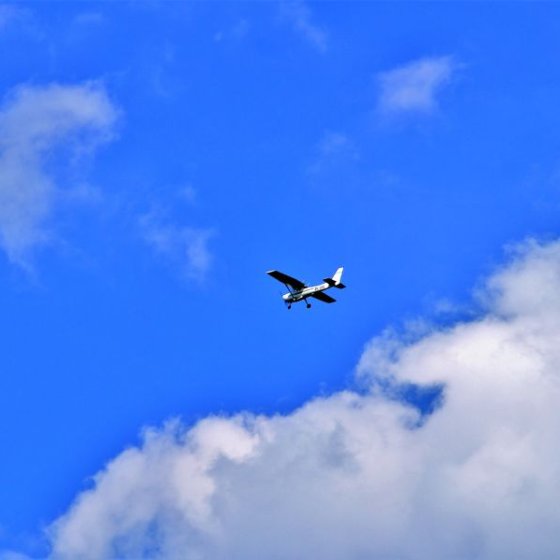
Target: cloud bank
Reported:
[(34, 122), (413, 88), (358, 475)]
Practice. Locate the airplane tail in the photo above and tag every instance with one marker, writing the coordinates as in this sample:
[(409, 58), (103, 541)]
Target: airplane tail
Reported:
[(335, 280)]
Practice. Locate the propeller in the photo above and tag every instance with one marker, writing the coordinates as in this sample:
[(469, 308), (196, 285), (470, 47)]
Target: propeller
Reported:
[(286, 303)]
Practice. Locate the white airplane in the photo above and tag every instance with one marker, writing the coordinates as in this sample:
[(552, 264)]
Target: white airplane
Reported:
[(298, 291)]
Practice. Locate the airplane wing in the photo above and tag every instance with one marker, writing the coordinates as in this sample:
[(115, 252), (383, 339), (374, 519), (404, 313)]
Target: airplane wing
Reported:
[(321, 296), (285, 279)]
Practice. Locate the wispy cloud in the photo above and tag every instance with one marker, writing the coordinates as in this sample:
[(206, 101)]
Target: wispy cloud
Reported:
[(89, 19), (413, 88), (34, 122), (9, 13), (299, 15), (185, 247), (11, 555), (363, 474), (333, 149), (236, 32)]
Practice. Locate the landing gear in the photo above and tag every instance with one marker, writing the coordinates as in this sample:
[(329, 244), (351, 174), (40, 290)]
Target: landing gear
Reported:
[(308, 305), (289, 306)]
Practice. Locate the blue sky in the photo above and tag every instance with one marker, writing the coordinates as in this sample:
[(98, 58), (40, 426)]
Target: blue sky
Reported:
[(156, 158)]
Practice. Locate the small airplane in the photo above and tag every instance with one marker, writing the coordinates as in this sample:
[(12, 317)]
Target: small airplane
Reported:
[(298, 291)]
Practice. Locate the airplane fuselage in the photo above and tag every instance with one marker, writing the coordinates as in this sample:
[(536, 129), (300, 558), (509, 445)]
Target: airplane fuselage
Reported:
[(293, 297), (298, 291)]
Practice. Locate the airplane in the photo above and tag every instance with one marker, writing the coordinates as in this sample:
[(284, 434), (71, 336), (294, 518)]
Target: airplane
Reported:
[(298, 291)]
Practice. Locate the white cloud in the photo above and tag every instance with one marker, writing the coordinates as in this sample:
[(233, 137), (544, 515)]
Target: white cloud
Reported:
[(356, 475), (34, 122), (299, 16), (414, 87), (185, 247)]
